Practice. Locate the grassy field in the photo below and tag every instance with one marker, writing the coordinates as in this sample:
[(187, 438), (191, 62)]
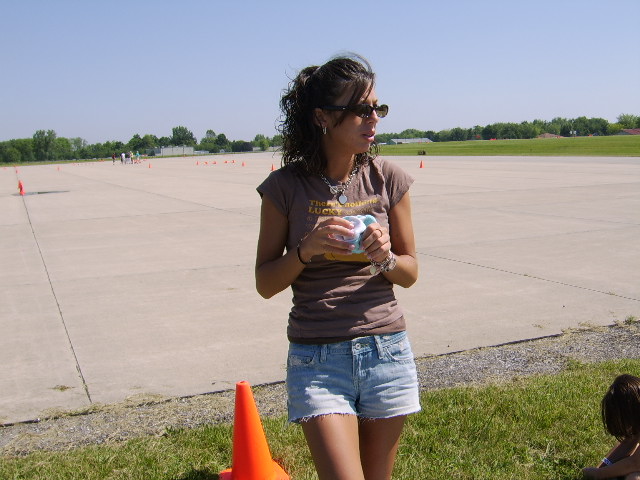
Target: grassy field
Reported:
[(543, 427), (614, 146)]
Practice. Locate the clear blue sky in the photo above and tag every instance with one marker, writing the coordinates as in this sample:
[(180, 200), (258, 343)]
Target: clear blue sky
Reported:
[(107, 70)]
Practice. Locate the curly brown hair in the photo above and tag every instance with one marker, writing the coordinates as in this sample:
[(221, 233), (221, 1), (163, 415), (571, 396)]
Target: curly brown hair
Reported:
[(621, 407), (314, 87)]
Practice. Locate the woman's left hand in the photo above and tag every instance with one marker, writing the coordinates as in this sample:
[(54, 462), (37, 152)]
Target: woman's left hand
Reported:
[(376, 242)]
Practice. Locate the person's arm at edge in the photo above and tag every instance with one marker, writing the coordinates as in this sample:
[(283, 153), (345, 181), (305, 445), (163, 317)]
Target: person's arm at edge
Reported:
[(274, 271), (626, 458), (403, 244)]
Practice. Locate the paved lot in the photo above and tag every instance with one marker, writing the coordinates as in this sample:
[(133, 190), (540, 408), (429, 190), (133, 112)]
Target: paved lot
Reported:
[(136, 281)]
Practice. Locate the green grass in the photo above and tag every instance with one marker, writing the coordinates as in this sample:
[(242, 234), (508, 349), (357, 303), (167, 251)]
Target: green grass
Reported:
[(613, 146), (544, 427)]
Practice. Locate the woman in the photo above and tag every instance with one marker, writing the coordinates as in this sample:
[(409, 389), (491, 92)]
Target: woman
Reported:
[(620, 409), (351, 378)]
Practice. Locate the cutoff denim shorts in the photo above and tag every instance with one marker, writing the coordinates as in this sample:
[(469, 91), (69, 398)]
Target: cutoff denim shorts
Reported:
[(371, 377)]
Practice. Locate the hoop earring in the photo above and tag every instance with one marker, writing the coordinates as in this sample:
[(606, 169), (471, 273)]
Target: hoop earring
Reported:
[(324, 130)]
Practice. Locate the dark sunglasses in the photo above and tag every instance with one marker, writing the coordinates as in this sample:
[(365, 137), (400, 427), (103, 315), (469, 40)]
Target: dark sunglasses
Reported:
[(361, 110)]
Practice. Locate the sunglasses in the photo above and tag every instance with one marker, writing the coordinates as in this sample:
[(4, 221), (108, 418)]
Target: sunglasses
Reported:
[(361, 110)]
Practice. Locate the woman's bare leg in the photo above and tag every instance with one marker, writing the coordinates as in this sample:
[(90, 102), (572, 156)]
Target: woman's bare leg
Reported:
[(379, 440), (333, 441)]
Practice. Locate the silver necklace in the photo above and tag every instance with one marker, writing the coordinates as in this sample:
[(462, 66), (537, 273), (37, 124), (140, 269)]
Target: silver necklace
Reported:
[(335, 189)]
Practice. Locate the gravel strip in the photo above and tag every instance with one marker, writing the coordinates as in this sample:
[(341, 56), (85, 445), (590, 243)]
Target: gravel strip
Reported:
[(120, 422)]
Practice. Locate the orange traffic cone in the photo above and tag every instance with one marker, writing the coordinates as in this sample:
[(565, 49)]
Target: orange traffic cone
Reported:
[(20, 187), (149, 164), (251, 456), (421, 164), (272, 168), (243, 164)]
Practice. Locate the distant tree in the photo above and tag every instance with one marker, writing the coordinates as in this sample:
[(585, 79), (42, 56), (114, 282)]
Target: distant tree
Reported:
[(9, 154), (223, 143), (221, 139), (276, 141), (459, 134), (614, 129), (25, 147), (183, 136), (411, 133), (444, 136), (241, 146), (489, 132), (150, 141), (62, 149), (136, 143), (210, 134), (209, 144), (164, 142), (141, 144), (383, 137), (43, 144), (78, 144), (264, 145), (430, 134), (627, 120)]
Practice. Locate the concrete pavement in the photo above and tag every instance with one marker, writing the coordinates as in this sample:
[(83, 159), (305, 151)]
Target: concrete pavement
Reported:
[(121, 282)]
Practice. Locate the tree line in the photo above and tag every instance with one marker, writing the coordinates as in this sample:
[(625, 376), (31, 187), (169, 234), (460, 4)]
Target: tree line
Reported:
[(565, 127), (45, 145)]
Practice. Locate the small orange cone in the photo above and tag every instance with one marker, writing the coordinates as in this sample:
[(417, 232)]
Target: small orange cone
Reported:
[(243, 164), (251, 456), (149, 164), (273, 168), (421, 164), (198, 163), (20, 187)]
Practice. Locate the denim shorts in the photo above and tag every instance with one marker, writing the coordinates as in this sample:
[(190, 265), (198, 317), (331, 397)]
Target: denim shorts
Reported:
[(372, 377)]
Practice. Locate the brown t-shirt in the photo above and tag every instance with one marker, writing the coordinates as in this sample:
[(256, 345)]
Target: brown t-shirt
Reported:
[(336, 298)]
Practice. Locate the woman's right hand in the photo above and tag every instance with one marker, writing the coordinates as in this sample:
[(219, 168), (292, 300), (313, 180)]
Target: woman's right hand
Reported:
[(322, 239)]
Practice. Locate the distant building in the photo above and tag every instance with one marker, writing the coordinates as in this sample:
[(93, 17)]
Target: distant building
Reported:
[(630, 131), (172, 151), (399, 141)]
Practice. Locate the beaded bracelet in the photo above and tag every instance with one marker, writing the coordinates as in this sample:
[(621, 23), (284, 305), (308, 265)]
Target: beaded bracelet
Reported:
[(386, 265)]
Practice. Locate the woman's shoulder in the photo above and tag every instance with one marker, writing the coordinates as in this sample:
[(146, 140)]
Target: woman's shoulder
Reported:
[(389, 169), (281, 177)]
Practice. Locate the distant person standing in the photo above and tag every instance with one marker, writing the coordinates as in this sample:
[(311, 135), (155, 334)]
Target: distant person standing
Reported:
[(122, 158), (113, 158)]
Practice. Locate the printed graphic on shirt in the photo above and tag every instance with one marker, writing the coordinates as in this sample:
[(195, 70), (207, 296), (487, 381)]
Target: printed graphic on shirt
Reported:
[(319, 210)]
